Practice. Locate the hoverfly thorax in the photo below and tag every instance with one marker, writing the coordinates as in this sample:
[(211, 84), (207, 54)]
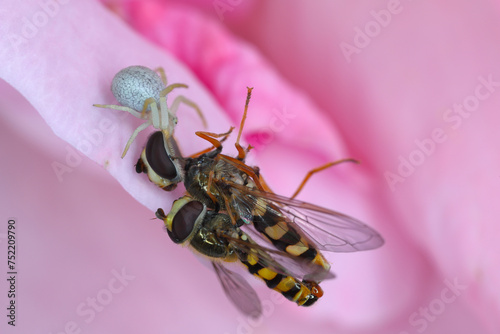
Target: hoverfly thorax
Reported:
[(159, 160), (197, 181)]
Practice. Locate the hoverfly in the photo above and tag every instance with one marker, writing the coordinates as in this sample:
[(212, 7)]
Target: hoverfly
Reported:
[(230, 197), (212, 234)]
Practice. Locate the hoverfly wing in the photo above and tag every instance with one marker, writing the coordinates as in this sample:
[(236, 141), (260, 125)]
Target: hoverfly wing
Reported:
[(333, 231), (329, 230), (279, 261), (239, 292), (244, 208)]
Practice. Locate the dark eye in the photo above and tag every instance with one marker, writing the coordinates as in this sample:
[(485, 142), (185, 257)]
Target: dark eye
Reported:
[(158, 157), (184, 221)]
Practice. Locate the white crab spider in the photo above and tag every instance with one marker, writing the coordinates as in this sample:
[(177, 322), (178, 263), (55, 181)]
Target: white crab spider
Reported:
[(143, 93)]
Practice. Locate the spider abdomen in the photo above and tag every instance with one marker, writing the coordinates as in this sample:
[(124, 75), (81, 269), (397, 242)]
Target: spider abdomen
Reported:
[(133, 85)]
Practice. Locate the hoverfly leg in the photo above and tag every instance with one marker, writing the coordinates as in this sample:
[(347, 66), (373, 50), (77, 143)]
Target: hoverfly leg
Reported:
[(230, 213), (209, 185), (212, 136), (241, 151), (264, 185), (319, 169), (244, 168)]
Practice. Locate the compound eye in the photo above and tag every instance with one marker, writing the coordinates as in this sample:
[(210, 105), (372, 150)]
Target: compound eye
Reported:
[(158, 158), (185, 220)]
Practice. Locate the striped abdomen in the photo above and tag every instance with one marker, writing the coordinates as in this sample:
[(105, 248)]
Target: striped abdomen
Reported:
[(286, 238), (302, 293)]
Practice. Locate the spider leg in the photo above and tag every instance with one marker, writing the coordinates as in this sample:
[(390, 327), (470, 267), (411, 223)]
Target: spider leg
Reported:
[(171, 87), (147, 102), (160, 119), (161, 72), (182, 99), (134, 134), (166, 121)]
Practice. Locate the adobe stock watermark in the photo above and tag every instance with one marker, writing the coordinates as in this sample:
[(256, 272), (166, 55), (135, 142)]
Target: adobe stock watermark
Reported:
[(31, 25), (363, 36), (222, 6), (425, 315), (90, 140), (278, 122), (248, 325), (88, 310), (453, 118)]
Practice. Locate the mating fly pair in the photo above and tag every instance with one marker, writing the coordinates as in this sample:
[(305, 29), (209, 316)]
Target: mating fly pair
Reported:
[(229, 214)]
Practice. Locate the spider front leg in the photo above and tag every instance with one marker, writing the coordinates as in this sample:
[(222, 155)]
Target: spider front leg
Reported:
[(182, 99), (153, 120), (134, 135), (168, 88), (162, 74), (147, 104), (171, 87)]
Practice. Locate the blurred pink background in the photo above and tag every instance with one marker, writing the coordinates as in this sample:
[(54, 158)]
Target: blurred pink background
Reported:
[(409, 88)]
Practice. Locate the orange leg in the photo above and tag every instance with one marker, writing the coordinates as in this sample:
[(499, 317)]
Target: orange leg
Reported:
[(245, 169), (241, 151), (229, 211), (197, 154), (319, 169), (211, 137), (206, 135), (209, 185), (264, 184)]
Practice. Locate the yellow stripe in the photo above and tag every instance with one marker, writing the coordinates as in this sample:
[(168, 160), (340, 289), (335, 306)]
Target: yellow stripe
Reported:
[(259, 208), (296, 250), (321, 261), (286, 284), (267, 274), (277, 231), (252, 259), (301, 298)]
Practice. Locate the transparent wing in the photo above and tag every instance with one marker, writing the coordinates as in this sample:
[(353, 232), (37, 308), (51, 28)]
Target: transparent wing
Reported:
[(328, 230), (239, 292), (279, 261)]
